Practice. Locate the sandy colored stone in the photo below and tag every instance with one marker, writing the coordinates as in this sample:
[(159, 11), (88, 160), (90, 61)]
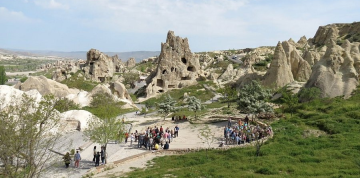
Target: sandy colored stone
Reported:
[(335, 74), (177, 66), (279, 73)]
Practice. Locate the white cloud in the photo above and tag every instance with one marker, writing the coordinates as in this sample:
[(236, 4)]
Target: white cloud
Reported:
[(50, 4), (14, 16)]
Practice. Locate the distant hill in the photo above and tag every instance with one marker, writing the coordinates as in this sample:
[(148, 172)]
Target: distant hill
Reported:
[(138, 55)]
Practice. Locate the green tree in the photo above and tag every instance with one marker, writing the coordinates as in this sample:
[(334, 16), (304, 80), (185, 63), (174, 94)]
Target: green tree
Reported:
[(309, 94), (194, 104), (65, 104), (168, 106), (3, 78), (253, 99), (105, 126), (130, 78), (28, 131), (290, 100), (229, 94)]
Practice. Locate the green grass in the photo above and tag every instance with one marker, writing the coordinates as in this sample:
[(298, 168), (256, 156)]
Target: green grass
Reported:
[(22, 65), (48, 73), (194, 90), (78, 82), (145, 66), (336, 153)]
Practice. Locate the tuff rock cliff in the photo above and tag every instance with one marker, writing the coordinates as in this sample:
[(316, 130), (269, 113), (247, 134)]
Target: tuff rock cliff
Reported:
[(177, 66)]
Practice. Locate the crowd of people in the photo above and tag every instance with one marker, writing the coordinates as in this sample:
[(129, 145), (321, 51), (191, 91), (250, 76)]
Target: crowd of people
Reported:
[(241, 132), (153, 138)]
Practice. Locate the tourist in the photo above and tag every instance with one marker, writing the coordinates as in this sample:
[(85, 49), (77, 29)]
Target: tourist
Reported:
[(156, 147), (102, 155), (150, 143), (94, 153), (97, 159), (166, 146), (247, 120), (229, 122), (77, 159), (169, 136), (67, 159), (126, 137), (136, 136), (132, 137), (176, 131), (141, 139)]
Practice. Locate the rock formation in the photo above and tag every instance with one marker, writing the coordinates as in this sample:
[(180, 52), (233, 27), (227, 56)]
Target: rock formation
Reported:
[(130, 63), (300, 69), (335, 74), (229, 74), (99, 67), (337, 32), (302, 42), (177, 66), (279, 73), (47, 86), (121, 91)]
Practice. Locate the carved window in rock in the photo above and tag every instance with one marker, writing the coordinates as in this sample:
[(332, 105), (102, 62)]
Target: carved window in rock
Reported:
[(159, 83), (164, 71), (191, 69), (102, 79), (185, 78), (172, 69), (91, 68), (183, 60)]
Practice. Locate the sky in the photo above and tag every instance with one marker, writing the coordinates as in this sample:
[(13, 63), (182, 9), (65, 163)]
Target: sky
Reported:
[(141, 25)]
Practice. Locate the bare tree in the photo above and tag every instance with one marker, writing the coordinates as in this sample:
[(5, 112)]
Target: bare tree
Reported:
[(207, 136)]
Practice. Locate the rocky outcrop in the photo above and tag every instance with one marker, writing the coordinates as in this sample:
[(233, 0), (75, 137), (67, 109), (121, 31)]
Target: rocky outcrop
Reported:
[(229, 73), (99, 67), (47, 86), (312, 57), (121, 92), (337, 32), (130, 63), (279, 73), (302, 42), (300, 69), (335, 74), (177, 66)]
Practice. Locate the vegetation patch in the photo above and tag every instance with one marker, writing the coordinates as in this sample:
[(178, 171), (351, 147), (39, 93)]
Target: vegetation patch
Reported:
[(288, 153)]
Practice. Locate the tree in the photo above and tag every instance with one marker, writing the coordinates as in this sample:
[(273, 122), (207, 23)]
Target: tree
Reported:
[(207, 136), (28, 131), (309, 94), (130, 78), (258, 145), (229, 94), (290, 101), (194, 104), (3, 78), (168, 106), (65, 104), (105, 126), (252, 99)]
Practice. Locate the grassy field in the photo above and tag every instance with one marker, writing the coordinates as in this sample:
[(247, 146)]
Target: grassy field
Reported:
[(78, 82), (22, 65), (322, 139), (178, 94)]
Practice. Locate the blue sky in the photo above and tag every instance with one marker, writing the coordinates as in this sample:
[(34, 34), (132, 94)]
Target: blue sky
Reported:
[(135, 25)]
